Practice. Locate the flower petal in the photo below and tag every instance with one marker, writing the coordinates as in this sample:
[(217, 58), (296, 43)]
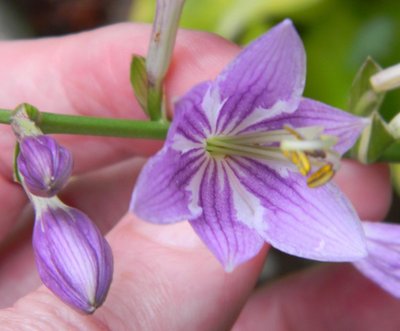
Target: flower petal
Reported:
[(190, 125), (163, 190), (231, 241), (382, 265), (335, 122), (267, 74), (317, 223), (73, 258)]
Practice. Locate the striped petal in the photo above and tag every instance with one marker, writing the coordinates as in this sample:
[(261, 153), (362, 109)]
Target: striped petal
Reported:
[(231, 242), (317, 223), (382, 265), (334, 122), (191, 124), (167, 187), (265, 79)]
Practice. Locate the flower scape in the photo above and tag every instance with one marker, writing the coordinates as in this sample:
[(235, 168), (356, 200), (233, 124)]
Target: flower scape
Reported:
[(248, 160)]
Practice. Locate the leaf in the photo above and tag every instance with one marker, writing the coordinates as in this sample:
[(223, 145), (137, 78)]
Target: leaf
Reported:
[(374, 141), (139, 80), (16, 176), (363, 99)]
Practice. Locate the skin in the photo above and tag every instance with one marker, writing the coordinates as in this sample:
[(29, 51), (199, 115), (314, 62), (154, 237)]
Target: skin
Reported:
[(165, 279)]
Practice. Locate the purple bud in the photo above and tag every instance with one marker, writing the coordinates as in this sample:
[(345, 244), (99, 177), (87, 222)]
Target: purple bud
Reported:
[(45, 165), (73, 258)]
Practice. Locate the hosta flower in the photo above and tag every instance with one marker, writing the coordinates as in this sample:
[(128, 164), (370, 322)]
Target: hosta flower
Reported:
[(382, 265), (44, 164), (73, 259), (248, 160)]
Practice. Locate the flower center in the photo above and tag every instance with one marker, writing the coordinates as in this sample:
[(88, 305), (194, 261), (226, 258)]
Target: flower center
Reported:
[(306, 148)]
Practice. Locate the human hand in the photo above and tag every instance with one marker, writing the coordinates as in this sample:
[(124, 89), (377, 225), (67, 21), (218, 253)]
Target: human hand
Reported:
[(165, 279)]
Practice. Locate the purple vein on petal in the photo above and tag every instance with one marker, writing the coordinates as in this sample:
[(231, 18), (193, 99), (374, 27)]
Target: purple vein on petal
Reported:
[(269, 70), (382, 265), (161, 194), (230, 241), (190, 120), (312, 223)]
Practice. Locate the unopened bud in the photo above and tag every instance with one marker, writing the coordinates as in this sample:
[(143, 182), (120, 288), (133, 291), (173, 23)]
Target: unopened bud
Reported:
[(44, 164), (73, 259), (387, 79)]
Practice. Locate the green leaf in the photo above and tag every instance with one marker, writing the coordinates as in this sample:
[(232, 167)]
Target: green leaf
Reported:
[(16, 175), (363, 99), (391, 154), (373, 142), (139, 80)]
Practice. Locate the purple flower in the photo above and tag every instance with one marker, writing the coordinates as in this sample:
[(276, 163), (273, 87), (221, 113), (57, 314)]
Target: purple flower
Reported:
[(382, 265), (45, 165), (241, 155), (73, 259)]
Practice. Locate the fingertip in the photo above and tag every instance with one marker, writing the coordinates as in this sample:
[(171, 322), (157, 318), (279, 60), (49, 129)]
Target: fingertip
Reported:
[(368, 187), (171, 263), (198, 56)]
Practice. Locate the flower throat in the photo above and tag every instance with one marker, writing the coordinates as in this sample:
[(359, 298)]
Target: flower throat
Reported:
[(306, 148)]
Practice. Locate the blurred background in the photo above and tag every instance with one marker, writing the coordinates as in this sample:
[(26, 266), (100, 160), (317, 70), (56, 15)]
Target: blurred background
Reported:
[(338, 36)]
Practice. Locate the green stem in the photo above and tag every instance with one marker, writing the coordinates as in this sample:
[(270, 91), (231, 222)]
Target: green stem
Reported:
[(95, 126)]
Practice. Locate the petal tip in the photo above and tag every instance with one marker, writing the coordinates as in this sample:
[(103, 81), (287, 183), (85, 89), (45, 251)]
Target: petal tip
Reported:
[(230, 265), (287, 22)]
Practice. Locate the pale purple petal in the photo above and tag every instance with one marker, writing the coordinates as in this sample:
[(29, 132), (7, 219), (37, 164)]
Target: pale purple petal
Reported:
[(268, 73), (73, 259), (317, 223), (382, 265), (45, 165), (162, 193), (344, 126), (231, 242), (190, 123)]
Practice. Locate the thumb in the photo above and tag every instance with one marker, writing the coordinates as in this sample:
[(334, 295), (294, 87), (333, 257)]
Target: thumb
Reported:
[(164, 279)]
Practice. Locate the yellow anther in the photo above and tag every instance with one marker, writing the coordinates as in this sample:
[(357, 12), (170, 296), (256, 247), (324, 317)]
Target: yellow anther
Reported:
[(321, 176), (300, 160), (303, 164)]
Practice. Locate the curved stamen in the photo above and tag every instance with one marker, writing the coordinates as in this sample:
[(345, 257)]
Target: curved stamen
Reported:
[(306, 148)]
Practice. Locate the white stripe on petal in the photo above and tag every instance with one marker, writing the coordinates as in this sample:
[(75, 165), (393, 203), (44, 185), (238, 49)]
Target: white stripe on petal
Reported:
[(261, 114), (212, 104), (194, 188), (182, 144), (249, 210)]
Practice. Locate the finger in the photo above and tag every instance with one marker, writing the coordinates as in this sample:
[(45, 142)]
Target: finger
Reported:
[(331, 297), (86, 196), (368, 187), (88, 74), (103, 194), (164, 279), (327, 297)]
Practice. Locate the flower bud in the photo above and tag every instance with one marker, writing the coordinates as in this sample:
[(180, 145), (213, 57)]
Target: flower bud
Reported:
[(73, 259), (45, 165), (387, 79)]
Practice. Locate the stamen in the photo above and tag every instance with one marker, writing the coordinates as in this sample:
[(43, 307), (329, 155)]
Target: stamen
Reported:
[(321, 176), (307, 148), (299, 159), (293, 132), (215, 146)]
